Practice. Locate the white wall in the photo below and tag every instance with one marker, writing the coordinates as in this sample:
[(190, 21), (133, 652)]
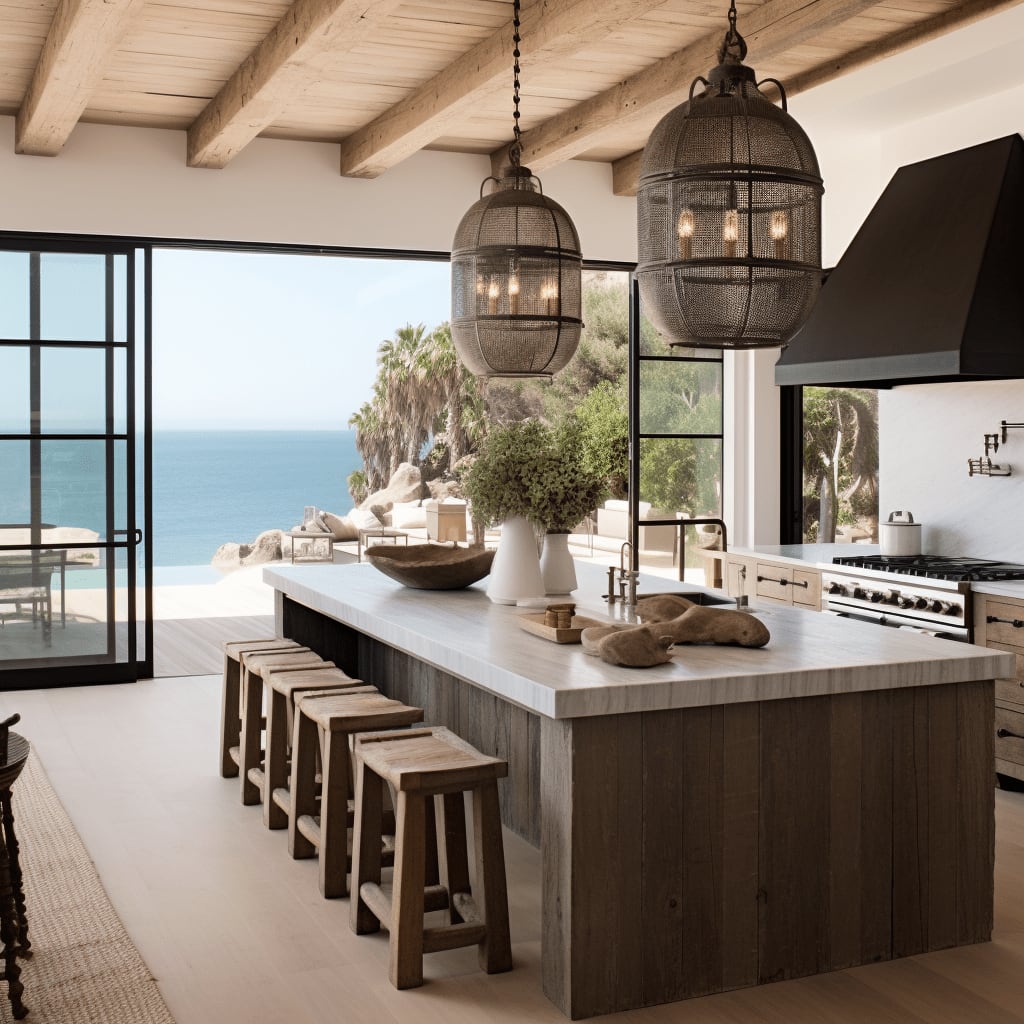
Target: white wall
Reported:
[(134, 181), (929, 431)]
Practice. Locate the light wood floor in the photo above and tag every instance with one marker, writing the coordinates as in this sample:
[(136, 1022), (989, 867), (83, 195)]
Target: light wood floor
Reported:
[(235, 931)]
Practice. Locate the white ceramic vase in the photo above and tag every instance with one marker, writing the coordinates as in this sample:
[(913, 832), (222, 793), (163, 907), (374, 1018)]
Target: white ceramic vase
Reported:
[(515, 572), (557, 567)]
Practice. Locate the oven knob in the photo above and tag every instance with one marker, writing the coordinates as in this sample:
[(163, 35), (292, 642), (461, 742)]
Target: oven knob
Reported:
[(836, 588), (876, 596), (893, 597), (906, 602), (859, 594), (954, 609), (921, 602), (936, 606)]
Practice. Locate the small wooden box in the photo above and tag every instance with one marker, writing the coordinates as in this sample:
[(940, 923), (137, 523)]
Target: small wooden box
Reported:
[(446, 521)]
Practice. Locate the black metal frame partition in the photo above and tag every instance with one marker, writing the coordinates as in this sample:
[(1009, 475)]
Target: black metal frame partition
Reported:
[(636, 435), (92, 667)]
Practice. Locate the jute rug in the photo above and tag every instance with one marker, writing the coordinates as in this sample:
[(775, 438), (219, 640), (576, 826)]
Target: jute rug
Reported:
[(84, 969)]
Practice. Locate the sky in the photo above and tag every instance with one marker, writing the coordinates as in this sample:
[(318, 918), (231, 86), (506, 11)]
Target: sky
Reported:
[(277, 341)]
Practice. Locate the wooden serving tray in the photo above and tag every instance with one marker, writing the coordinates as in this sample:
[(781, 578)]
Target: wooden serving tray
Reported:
[(535, 624)]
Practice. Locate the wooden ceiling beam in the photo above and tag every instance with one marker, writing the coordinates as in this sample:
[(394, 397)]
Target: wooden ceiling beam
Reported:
[(769, 30), (626, 171), (78, 46), (277, 71), (564, 27)]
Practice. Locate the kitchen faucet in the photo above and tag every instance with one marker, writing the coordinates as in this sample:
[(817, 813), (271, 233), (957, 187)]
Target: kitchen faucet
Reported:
[(626, 581)]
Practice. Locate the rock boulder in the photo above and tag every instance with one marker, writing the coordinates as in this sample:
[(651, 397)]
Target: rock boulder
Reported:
[(406, 484)]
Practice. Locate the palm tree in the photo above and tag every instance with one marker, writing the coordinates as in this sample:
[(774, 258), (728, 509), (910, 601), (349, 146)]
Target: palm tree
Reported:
[(840, 453)]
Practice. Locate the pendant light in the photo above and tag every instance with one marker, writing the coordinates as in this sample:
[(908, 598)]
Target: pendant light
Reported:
[(516, 272), (729, 214)]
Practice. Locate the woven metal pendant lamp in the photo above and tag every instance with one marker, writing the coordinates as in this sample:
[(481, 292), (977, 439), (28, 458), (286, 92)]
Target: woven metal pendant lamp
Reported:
[(729, 214), (516, 273)]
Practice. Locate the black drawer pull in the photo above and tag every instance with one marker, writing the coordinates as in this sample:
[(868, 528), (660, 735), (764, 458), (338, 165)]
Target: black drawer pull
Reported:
[(1016, 623), (1006, 734), (782, 583)]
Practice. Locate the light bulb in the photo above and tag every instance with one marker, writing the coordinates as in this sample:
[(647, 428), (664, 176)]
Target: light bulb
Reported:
[(549, 292), (513, 295), (730, 232), (492, 297), (685, 227), (778, 228)]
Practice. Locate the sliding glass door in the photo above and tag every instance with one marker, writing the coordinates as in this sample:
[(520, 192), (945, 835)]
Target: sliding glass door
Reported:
[(75, 595)]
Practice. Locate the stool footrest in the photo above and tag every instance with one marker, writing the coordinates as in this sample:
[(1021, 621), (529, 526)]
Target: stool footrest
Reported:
[(452, 936), (378, 901), (309, 826), (235, 754), (283, 798), (256, 776)]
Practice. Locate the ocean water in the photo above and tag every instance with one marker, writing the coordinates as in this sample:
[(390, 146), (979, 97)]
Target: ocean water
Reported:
[(209, 487)]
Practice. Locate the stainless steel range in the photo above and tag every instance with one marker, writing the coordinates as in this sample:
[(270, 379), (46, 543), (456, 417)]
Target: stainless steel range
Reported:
[(929, 593)]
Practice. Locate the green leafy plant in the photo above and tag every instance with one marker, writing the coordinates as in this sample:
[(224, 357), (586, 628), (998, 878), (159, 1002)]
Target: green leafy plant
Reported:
[(529, 469)]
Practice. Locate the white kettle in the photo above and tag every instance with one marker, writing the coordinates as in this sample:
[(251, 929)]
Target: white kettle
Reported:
[(900, 536)]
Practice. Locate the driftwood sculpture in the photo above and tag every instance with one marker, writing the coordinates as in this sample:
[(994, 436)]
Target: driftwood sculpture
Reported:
[(651, 643), (662, 607)]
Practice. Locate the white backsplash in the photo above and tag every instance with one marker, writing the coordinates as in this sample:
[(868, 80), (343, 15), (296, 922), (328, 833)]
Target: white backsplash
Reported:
[(927, 432)]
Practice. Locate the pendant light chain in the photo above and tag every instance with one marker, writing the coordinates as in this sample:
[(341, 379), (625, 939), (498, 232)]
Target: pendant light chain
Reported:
[(516, 149)]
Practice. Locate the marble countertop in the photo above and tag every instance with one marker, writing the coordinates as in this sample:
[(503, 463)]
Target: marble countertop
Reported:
[(818, 555), (464, 633)]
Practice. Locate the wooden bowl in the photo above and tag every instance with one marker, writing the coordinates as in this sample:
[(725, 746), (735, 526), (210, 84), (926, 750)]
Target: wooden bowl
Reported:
[(430, 566)]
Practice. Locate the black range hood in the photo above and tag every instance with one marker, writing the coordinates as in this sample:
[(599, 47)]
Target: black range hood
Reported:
[(931, 289)]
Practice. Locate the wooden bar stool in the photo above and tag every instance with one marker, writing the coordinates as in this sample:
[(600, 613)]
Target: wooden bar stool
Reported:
[(284, 689), (325, 724), (231, 697), (424, 766), (255, 665)]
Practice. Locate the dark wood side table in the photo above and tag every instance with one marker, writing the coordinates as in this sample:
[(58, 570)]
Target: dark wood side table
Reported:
[(13, 918)]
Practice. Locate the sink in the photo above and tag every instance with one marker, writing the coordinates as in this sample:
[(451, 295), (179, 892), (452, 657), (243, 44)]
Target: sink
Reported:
[(696, 596)]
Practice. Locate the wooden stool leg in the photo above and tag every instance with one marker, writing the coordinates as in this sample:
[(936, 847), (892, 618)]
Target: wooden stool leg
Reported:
[(276, 773), (334, 797), (431, 864), (9, 939), (405, 968), (14, 866), (454, 865), (366, 847), (305, 748), (252, 720), (230, 722), (491, 896)]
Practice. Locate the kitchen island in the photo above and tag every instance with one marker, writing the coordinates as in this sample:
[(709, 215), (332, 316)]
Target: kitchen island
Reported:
[(734, 817)]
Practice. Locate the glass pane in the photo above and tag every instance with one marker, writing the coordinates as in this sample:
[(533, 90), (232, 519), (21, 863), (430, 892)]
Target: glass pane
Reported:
[(680, 397), (14, 295), (120, 298), (14, 483), (840, 495), (14, 392), (681, 476), (52, 609), (73, 298), (73, 484), (73, 390)]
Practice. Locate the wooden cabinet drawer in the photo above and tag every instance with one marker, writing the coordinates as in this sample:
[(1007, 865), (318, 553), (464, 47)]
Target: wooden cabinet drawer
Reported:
[(773, 583), (1010, 735), (807, 589), (1009, 627), (1010, 691)]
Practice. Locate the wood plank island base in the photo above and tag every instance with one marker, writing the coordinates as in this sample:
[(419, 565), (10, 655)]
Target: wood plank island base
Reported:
[(732, 818)]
